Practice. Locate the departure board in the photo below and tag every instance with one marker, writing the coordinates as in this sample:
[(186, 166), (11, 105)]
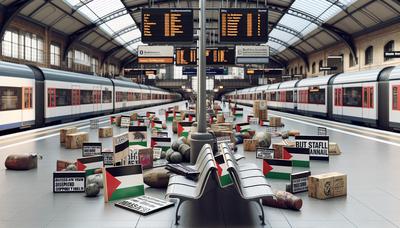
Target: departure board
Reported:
[(186, 56), (167, 25), (243, 25), (220, 56)]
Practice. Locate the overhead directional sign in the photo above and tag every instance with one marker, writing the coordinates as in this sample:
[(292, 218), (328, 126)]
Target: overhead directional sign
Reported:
[(155, 54), (167, 25), (252, 54), (186, 56), (220, 56), (243, 25)]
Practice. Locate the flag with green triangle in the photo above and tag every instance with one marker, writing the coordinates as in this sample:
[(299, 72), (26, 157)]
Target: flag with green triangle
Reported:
[(277, 168), (89, 164), (184, 128), (169, 116), (225, 179), (243, 127), (161, 142), (300, 157), (156, 124), (238, 112), (123, 182)]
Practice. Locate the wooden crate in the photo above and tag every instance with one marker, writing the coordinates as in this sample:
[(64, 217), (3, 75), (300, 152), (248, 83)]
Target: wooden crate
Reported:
[(76, 140), (65, 131), (250, 144), (105, 132)]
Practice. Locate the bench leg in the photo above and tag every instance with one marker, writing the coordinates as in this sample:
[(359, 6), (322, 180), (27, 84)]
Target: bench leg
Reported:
[(262, 217), (177, 217)]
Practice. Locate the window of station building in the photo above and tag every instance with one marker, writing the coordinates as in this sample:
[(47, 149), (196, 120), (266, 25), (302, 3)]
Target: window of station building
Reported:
[(22, 45), (10, 98), (351, 60), (301, 70), (352, 96), (369, 55), (55, 59), (292, 72), (389, 46), (106, 96), (295, 70), (86, 97), (321, 63), (313, 68), (316, 96), (70, 59), (111, 69)]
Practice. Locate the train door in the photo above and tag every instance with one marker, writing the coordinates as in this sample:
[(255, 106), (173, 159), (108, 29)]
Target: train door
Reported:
[(26, 114), (295, 100), (368, 102), (338, 101), (76, 100), (96, 98)]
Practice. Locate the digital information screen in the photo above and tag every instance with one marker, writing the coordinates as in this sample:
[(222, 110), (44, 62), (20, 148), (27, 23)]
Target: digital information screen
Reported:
[(243, 25), (185, 56), (220, 56), (167, 25)]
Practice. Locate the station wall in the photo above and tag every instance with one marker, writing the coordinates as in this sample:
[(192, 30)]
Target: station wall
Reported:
[(377, 39)]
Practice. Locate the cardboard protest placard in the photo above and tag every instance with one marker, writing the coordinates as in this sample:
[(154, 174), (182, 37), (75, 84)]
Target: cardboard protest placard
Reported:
[(125, 121), (137, 135), (121, 148), (161, 142), (69, 181), (264, 153), (91, 149), (318, 145), (299, 182)]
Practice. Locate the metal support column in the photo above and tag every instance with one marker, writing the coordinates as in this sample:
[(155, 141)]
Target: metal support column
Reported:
[(201, 137)]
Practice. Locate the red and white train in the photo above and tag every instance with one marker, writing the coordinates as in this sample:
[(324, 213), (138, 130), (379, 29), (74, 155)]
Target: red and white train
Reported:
[(366, 97), (34, 97)]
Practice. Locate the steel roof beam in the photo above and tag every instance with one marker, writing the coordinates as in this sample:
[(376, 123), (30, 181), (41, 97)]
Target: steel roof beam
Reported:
[(345, 37), (296, 51), (114, 50), (9, 13)]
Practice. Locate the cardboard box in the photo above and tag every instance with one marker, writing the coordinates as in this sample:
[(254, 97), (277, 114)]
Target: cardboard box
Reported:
[(275, 121), (65, 131), (105, 132), (327, 185), (222, 126), (141, 155), (220, 118), (61, 164), (76, 140), (278, 148), (230, 134), (260, 109), (250, 144), (334, 149)]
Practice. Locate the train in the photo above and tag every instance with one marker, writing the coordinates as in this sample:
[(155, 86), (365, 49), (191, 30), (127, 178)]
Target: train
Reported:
[(369, 97), (32, 97)]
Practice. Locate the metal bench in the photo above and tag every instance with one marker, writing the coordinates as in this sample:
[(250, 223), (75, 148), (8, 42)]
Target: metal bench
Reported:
[(225, 149), (184, 189), (250, 184)]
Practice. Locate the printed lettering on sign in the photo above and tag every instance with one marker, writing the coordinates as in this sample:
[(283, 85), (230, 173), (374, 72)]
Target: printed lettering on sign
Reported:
[(69, 181), (318, 145)]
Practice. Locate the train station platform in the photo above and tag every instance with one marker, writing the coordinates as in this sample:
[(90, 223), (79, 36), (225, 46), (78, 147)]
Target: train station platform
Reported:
[(369, 157)]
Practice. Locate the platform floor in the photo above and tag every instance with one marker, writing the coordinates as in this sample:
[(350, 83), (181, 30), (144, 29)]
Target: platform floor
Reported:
[(371, 159)]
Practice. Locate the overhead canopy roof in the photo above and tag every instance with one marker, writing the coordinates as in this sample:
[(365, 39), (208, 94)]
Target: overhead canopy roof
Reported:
[(297, 27)]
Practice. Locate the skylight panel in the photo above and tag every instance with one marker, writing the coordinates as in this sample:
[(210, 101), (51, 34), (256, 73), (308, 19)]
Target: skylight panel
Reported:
[(104, 7)]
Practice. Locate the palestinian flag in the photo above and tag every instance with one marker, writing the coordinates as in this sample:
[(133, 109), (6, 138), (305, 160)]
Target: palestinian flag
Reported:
[(156, 124), (248, 117), (148, 114), (192, 117), (177, 114), (90, 164), (238, 112), (123, 182), (264, 122), (243, 127), (277, 168), (222, 170), (169, 116), (113, 120), (184, 128), (300, 157), (137, 135), (161, 142)]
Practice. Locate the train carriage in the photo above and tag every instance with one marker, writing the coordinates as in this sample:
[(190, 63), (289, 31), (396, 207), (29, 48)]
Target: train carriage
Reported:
[(127, 95), (393, 99), (287, 95), (274, 98)]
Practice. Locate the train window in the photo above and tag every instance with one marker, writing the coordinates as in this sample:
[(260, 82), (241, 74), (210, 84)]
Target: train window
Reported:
[(10, 98), (395, 97), (63, 97), (273, 96), (316, 96), (27, 98), (86, 97), (352, 96), (371, 97), (106, 96), (75, 97), (365, 98), (289, 96)]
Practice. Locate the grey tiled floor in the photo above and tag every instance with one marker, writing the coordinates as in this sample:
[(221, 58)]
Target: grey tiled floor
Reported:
[(373, 200)]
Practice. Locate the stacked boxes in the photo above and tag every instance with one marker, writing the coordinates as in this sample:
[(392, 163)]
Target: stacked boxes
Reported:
[(105, 132), (65, 131), (260, 109)]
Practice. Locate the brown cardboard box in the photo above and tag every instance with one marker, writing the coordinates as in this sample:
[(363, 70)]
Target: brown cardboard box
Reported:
[(118, 121), (76, 140), (228, 126), (263, 115), (226, 133), (65, 131), (141, 155), (278, 148), (220, 118), (334, 149), (176, 107), (260, 109), (105, 132), (275, 121), (250, 144), (134, 116), (327, 185)]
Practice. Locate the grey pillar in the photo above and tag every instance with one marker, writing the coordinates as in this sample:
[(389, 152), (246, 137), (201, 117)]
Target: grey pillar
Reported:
[(201, 137)]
